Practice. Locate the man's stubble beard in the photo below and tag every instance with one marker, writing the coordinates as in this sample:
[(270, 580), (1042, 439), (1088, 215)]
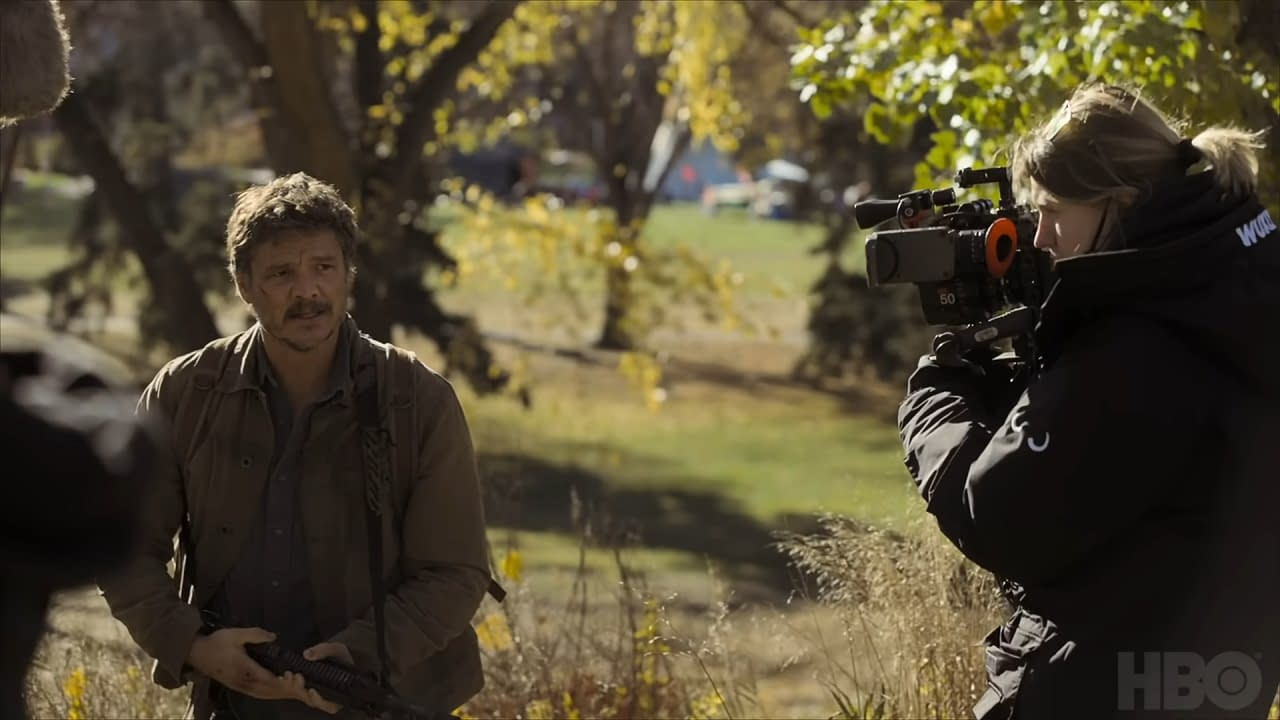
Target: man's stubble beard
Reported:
[(298, 347), (277, 331)]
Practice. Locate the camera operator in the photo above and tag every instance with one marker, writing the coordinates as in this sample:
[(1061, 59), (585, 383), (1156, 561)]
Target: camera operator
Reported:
[(1130, 493)]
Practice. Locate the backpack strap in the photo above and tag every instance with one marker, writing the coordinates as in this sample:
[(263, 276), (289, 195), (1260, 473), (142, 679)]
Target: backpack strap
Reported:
[(373, 390), (377, 475)]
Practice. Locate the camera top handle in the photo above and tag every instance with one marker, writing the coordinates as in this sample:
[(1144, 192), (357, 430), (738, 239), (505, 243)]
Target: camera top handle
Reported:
[(968, 177), (911, 209)]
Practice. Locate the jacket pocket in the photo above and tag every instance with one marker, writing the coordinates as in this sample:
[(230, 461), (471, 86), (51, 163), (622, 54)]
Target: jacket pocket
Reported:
[(1004, 677), (449, 678), (1013, 653)]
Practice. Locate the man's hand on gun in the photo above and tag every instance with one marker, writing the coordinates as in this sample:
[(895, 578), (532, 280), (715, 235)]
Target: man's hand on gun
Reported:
[(221, 656), (323, 651)]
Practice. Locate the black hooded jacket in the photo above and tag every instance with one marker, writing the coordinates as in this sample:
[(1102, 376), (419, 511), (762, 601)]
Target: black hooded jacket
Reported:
[(1133, 490)]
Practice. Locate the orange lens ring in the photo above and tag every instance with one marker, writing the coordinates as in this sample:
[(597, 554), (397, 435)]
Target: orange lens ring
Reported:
[(1003, 227)]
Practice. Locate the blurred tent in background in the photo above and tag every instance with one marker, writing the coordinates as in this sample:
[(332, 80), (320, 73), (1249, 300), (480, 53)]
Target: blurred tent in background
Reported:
[(700, 166)]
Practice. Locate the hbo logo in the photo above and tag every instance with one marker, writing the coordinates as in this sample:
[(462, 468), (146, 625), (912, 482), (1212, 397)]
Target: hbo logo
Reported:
[(1184, 681)]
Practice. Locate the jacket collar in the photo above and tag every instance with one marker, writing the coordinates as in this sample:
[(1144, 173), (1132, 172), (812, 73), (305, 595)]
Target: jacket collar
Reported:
[(1173, 241), (1178, 242), (247, 367)]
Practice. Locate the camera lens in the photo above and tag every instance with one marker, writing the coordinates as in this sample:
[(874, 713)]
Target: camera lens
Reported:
[(1000, 246)]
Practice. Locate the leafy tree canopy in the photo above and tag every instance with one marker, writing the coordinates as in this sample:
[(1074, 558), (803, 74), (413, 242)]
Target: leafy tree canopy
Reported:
[(988, 70)]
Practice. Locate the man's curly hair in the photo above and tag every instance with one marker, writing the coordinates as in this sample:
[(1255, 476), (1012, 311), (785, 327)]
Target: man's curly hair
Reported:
[(291, 202)]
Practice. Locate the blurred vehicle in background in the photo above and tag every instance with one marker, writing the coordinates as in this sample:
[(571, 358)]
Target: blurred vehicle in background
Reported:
[(512, 172), (780, 190), (570, 176)]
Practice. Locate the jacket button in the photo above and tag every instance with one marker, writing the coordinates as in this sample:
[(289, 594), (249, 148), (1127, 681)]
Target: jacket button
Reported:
[(246, 461), (226, 529)]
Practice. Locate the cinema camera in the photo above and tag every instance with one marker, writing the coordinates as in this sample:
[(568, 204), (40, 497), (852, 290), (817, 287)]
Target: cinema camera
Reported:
[(974, 264)]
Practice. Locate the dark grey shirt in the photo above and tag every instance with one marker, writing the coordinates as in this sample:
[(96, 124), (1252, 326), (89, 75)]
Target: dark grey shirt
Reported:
[(268, 587)]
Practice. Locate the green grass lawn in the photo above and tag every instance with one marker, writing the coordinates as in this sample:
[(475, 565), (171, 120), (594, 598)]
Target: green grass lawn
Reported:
[(712, 474), (30, 263), (772, 256), (772, 457), (37, 219)]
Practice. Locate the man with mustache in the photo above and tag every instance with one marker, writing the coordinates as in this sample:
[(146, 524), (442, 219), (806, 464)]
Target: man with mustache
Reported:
[(270, 476)]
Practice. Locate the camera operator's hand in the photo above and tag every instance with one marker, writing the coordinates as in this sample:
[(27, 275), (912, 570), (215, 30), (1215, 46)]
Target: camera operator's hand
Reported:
[(976, 373)]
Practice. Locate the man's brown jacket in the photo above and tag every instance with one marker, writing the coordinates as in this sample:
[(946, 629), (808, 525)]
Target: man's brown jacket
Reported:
[(435, 556)]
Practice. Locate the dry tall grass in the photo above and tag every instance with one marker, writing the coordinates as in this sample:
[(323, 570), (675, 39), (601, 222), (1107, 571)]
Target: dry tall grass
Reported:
[(913, 611), (80, 678), (570, 662)]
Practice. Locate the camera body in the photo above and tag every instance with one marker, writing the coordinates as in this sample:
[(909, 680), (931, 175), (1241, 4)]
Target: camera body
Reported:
[(974, 263)]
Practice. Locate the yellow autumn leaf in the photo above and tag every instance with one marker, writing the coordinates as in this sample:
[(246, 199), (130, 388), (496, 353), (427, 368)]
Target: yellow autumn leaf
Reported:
[(539, 710), (359, 23), (494, 634), (537, 210), (512, 565)]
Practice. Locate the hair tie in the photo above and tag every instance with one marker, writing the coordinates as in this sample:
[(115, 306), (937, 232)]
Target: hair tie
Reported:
[(1188, 153)]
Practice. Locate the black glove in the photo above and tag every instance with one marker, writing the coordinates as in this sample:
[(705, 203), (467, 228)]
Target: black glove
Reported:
[(979, 373)]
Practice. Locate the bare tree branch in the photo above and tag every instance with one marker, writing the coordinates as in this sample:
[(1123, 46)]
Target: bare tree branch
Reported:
[(436, 84), (598, 101), (683, 139), (282, 146), (758, 15), (638, 126), (189, 325), (236, 33), (790, 11), (369, 65)]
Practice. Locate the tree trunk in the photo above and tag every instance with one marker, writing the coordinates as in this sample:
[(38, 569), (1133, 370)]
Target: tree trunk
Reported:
[(294, 50), (10, 141), (188, 324), (617, 333), (372, 304), (388, 187), (1260, 28), (631, 210), (282, 145)]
